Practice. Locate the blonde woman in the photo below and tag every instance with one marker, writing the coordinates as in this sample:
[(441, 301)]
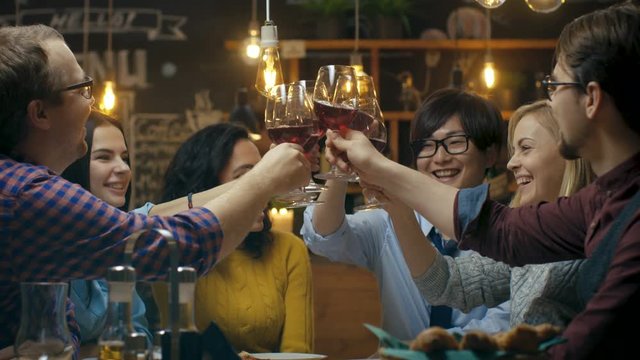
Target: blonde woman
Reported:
[(543, 293), (576, 174)]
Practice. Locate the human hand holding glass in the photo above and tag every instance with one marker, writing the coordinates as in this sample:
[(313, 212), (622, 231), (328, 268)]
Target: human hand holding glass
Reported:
[(377, 134), (318, 133), (289, 118), (335, 101)]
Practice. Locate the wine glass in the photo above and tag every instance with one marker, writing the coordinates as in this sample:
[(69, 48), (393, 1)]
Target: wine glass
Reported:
[(289, 118), (43, 332), (377, 134), (318, 133), (335, 101), (368, 107)]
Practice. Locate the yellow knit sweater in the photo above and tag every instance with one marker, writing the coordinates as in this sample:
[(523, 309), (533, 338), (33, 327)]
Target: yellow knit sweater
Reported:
[(261, 305)]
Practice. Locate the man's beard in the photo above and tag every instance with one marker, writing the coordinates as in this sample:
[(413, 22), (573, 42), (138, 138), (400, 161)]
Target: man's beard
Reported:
[(568, 151)]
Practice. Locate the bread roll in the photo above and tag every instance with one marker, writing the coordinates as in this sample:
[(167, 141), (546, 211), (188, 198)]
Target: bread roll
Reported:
[(434, 338)]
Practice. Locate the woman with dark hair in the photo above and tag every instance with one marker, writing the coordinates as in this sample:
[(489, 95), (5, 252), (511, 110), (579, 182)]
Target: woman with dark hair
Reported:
[(260, 295), (104, 171), (456, 135)]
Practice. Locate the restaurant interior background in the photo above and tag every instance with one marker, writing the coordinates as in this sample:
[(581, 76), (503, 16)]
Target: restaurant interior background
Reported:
[(177, 67)]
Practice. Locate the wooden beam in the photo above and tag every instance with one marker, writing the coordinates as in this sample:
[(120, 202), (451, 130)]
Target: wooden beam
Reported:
[(419, 44)]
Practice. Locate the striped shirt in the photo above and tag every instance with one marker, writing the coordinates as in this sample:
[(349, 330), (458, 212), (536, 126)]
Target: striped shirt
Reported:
[(53, 230)]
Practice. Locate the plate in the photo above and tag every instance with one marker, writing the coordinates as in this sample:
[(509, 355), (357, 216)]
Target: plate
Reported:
[(287, 356)]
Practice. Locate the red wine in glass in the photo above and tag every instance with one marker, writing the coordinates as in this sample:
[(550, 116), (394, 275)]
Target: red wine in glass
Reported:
[(313, 140), (362, 121), (320, 130), (291, 134), (378, 144), (334, 117)]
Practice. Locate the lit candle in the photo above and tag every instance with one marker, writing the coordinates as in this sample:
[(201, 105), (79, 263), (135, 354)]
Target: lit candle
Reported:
[(281, 219)]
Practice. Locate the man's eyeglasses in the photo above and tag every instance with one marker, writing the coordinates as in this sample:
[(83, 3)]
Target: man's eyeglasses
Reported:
[(454, 145), (86, 87), (551, 86)]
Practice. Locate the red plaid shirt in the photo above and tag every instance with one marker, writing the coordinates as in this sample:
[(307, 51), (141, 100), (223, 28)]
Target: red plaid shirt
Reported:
[(53, 230)]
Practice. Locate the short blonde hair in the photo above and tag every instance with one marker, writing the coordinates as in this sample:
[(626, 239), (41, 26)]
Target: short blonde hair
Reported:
[(577, 173)]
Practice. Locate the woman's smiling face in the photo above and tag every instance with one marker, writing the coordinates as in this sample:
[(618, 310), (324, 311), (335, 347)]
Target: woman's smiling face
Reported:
[(109, 169), (536, 162)]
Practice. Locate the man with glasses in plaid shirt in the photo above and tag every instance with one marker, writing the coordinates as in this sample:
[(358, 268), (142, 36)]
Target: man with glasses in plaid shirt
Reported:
[(593, 95), (52, 230)]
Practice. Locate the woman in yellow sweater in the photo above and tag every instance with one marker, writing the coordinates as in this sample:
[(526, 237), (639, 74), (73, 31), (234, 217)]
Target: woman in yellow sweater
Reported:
[(260, 295)]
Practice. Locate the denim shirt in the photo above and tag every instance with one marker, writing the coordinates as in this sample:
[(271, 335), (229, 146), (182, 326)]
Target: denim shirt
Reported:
[(91, 299), (368, 240)]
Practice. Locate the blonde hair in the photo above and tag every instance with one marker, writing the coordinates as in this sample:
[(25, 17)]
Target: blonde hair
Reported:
[(577, 173)]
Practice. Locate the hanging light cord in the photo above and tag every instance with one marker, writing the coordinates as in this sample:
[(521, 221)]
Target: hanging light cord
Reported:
[(488, 31), (268, 12), (254, 11), (109, 28), (357, 40), (18, 12), (85, 35)]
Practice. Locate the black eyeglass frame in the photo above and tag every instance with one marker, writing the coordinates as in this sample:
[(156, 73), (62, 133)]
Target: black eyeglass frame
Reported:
[(88, 83), (547, 83), (418, 145)]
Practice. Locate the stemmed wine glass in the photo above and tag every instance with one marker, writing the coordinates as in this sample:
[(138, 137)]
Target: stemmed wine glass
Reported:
[(319, 131), (289, 118), (367, 103), (377, 134), (335, 101)]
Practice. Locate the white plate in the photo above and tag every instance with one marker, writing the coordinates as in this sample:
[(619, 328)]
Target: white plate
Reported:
[(287, 356)]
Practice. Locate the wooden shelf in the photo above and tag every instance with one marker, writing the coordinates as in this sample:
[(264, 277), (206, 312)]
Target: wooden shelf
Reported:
[(418, 44), (375, 46), (408, 115)]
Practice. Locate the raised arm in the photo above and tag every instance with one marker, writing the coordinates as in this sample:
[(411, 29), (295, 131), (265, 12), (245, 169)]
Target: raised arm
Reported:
[(199, 199), (328, 217), (418, 253), (283, 168), (432, 199)]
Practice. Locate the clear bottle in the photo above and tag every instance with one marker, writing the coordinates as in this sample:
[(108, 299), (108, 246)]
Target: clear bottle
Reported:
[(156, 352), (119, 340)]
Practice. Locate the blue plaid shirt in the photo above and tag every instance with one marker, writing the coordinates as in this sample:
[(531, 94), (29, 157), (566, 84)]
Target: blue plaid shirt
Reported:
[(53, 230)]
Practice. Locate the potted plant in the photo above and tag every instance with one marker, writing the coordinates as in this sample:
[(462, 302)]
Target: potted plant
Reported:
[(329, 16), (388, 17)]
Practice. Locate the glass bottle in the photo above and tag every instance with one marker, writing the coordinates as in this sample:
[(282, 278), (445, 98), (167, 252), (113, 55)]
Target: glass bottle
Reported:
[(190, 341), (119, 340), (43, 332)]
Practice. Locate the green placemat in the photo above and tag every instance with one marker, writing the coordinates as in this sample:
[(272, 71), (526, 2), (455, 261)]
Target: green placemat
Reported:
[(391, 346)]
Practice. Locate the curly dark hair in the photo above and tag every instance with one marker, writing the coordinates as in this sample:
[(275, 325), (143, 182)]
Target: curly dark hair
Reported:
[(25, 75), (197, 165)]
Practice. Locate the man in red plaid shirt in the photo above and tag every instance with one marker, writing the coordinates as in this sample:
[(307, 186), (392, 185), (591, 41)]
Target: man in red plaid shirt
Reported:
[(53, 230)]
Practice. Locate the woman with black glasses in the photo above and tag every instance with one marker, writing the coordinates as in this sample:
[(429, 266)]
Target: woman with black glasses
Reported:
[(456, 137)]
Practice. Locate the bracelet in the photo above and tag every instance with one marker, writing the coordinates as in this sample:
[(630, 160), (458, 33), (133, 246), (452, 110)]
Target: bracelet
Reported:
[(190, 200)]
